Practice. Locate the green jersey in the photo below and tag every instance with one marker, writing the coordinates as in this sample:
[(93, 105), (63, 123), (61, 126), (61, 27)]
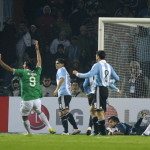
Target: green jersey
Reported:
[(30, 83)]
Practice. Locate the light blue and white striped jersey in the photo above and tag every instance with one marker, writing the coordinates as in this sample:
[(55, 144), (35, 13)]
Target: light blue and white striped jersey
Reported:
[(103, 71), (112, 85), (65, 88), (89, 85)]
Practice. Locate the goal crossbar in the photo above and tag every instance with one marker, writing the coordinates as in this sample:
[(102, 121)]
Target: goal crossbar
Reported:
[(122, 21)]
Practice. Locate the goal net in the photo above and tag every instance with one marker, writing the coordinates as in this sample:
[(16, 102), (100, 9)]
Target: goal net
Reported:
[(127, 45)]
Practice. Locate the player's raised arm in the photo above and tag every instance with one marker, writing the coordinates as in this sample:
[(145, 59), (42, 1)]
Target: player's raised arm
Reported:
[(38, 55), (5, 66)]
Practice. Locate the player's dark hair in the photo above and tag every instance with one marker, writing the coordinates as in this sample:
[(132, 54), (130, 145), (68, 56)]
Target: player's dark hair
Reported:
[(101, 54), (31, 64), (74, 81), (114, 118), (61, 61)]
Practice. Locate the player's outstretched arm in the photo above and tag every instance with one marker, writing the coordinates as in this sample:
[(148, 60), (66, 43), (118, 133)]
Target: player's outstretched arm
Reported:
[(5, 66), (38, 55)]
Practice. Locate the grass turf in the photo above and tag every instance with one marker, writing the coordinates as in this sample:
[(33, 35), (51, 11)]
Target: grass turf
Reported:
[(72, 142)]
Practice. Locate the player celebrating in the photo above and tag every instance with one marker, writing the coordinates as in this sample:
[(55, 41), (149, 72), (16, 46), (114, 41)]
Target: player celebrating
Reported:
[(103, 72), (63, 90), (30, 90)]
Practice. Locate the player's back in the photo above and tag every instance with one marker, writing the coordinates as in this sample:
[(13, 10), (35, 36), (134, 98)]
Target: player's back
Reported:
[(124, 128), (30, 83)]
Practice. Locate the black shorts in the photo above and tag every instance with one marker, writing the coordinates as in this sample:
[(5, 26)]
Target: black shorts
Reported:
[(64, 101), (101, 97)]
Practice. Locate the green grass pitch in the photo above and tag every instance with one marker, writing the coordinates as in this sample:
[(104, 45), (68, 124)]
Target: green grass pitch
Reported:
[(72, 142)]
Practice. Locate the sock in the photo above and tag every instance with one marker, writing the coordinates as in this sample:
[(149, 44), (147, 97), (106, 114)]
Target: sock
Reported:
[(72, 121), (95, 124), (101, 127), (27, 125), (90, 122), (65, 123), (137, 125), (44, 120)]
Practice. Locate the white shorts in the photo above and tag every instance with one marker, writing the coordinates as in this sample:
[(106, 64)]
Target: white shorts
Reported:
[(28, 106)]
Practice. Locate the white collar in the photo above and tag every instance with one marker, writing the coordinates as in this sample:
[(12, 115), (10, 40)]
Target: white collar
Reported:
[(103, 61)]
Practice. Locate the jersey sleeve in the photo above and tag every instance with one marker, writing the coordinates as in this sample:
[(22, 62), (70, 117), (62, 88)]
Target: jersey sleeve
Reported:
[(91, 73), (61, 73), (114, 74), (19, 72), (38, 70), (86, 85)]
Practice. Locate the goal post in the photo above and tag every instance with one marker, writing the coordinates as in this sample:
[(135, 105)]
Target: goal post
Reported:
[(127, 45), (124, 21)]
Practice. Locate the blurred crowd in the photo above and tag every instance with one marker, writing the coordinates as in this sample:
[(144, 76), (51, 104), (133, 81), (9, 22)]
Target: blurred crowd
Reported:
[(65, 29)]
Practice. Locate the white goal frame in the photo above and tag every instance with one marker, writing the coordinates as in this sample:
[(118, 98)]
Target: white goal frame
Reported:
[(123, 21)]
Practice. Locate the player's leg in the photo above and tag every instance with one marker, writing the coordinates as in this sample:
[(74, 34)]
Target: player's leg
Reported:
[(64, 121), (103, 95), (147, 130), (26, 107), (69, 116), (101, 122), (94, 119), (94, 115), (136, 128), (89, 129), (42, 116), (62, 114), (90, 99), (73, 123)]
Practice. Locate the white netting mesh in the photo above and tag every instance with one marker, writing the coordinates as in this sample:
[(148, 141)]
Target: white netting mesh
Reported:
[(128, 51)]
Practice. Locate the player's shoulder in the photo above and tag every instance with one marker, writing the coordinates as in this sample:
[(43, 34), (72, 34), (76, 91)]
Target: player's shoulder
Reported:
[(61, 70), (121, 125), (38, 69), (95, 64), (19, 70)]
